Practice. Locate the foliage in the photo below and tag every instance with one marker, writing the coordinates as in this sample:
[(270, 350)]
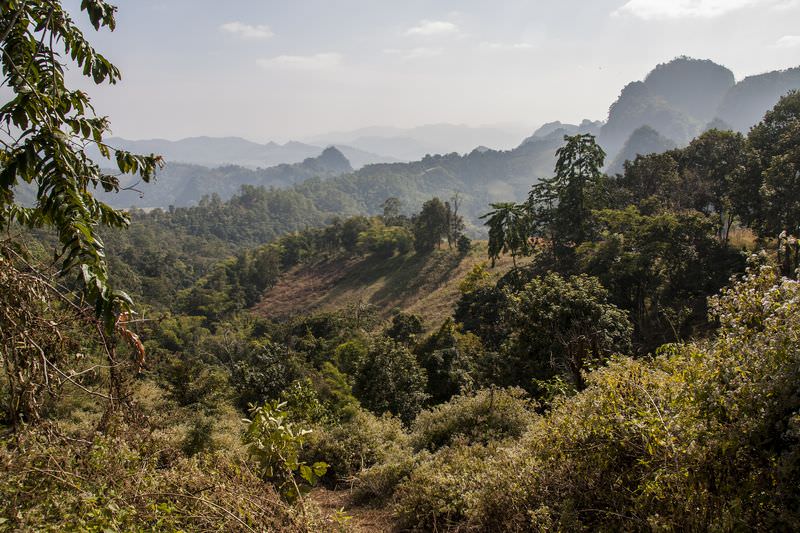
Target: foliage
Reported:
[(450, 360), (262, 372), (481, 417), (435, 495), (509, 230), (564, 326), (275, 442), (660, 267), (384, 241), (775, 142), (560, 207), (709, 427), (405, 328), (360, 442), (129, 480), (391, 380), (49, 125), (430, 226), (464, 245)]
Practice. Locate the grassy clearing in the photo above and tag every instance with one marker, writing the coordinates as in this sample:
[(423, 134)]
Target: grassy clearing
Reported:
[(426, 285)]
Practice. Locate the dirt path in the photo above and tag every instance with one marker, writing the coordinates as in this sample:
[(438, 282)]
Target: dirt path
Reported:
[(362, 519)]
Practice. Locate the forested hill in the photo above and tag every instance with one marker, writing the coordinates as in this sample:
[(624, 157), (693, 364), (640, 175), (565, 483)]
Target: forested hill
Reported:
[(258, 214), (182, 184)]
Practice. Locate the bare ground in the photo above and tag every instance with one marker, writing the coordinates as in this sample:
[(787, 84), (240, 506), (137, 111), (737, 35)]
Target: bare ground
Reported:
[(336, 507)]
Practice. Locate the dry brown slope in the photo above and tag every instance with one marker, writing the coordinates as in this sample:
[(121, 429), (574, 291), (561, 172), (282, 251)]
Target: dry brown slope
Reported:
[(426, 285)]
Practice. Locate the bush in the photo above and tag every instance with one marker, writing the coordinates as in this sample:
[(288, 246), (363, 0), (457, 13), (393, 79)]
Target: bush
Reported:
[(352, 445), (464, 245), (482, 417), (711, 428), (376, 485), (129, 480), (436, 496), (384, 241)]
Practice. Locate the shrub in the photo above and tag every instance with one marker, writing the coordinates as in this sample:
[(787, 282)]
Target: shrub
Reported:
[(360, 442), (376, 485), (129, 480), (437, 494), (710, 428), (275, 442), (464, 245), (482, 417)]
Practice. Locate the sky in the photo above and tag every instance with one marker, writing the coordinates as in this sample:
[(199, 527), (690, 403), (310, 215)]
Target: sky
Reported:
[(290, 69)]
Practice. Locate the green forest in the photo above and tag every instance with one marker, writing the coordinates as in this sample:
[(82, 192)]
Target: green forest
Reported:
[(612, 352)]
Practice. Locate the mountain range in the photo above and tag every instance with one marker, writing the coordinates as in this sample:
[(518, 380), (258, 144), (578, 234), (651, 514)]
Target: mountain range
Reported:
[(674, 103), (220, 151)]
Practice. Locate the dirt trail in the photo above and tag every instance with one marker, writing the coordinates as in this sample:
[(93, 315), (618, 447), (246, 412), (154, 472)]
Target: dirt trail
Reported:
[(362, 519)]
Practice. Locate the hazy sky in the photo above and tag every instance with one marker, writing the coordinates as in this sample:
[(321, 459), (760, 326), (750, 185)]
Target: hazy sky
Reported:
[(287, 69)]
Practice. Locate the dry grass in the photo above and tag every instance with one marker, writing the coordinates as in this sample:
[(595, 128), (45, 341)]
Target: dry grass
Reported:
[(426, 285)]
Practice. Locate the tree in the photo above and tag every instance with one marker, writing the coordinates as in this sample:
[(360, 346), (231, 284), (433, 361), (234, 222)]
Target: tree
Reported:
[(562, 205), (392, 207), (711, 164), (563, 324), (391, 379), (660, 267), (774, 164), (455, 222), (47, 126), (509, 230), (430, 226)]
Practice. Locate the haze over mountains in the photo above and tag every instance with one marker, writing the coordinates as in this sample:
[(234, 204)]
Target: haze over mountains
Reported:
[(411, 144), (219, 151), (674, 103)]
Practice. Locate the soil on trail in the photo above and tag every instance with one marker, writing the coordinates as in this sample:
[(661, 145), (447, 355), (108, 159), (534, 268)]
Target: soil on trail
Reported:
[(362, 519)]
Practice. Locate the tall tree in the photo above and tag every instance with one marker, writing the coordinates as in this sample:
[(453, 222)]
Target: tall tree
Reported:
[(710, 166), (561, 206), (774, 163)]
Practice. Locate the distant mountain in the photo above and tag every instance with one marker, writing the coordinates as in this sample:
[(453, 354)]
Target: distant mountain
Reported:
[(219, 151), (685, 96), (638, 106), (558, 129), (643, 141), (411, 144), (692, 86), (181, 184), (745, 104)]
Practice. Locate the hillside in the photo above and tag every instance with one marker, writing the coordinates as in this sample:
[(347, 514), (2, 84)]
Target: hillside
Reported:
[(425, 285), (182, 184)]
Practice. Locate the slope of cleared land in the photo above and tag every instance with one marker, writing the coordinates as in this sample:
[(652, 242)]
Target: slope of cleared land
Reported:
[(426, 285)]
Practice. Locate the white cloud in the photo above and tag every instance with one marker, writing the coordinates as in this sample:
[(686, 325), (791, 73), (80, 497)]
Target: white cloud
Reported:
[(247, 31), (503, 47), (786, 5), (414, 53), (429, 28), (678, 9), (788, 41), (325, 61)]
